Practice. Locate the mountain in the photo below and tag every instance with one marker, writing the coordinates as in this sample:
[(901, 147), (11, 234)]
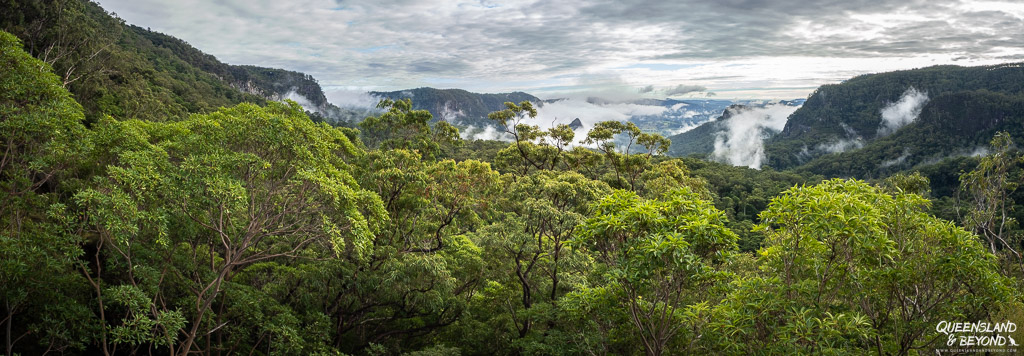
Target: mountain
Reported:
[(842, 117), (126, 71), (665, 117), (458, 106), (576, 124), (950, 125), (268, 83)]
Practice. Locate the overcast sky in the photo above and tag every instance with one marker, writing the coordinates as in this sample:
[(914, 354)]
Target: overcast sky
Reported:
[(735, 48)]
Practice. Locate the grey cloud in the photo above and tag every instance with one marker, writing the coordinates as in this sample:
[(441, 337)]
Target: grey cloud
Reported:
[(439, 66), (517, 41), (756, 28), (718, 77), (685, 89)]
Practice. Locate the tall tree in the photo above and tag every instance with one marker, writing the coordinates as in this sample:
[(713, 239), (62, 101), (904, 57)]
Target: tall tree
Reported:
[(254, 184), (847, 266), (626, 166), (41, 138), (401, 127), (664, 259), (988, 188)]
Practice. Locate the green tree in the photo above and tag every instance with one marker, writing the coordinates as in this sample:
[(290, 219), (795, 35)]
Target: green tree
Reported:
[(627, 167), (848, 268), (987, 203), (526, 245), (41, 138), (423, 266), (251, 184), (532, 148), (426, 200), (663, 260), (401, 127)]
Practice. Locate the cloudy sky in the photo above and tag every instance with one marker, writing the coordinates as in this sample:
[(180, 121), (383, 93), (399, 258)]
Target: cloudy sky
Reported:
[(735, 48)]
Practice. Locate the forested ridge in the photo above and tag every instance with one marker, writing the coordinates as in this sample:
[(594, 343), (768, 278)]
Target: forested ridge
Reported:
[(127, 71), (949, 125), (966, 104), (240, 225)]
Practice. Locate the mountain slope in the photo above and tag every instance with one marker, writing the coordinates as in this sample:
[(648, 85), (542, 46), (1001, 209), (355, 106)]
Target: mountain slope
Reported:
[(950, 125), (130, 72), (852, 110)]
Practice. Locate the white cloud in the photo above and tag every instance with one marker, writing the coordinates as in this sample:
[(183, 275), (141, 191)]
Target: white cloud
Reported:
[(636, 109), (896, 161), (742, 144), (979, 151), (356, 98), (902, 112), (840, 146), (690, 113), (486, 133), (301, 100), (565, 111), (683, 129), (683, 89), (449, 113)]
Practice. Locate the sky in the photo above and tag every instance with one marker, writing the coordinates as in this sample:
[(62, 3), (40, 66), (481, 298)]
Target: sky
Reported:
[(730, 49)]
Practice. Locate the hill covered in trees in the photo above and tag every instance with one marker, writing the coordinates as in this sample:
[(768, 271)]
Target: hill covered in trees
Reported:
[(949, 125), (878, 107), (122, 70)]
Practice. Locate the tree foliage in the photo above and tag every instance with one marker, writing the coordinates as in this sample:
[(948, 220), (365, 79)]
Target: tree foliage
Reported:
[(849, 267), (41, 137), (663, 262)]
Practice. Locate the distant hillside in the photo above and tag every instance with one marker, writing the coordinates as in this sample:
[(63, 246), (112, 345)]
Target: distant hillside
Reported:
[(950, 125), (851, 111), (458, 106), (130, 72), (267, 83)]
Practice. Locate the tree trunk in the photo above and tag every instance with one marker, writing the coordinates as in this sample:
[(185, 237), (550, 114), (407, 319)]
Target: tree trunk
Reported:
[(10, 319)]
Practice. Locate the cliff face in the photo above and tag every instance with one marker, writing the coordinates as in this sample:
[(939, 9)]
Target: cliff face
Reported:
[(277, 84)]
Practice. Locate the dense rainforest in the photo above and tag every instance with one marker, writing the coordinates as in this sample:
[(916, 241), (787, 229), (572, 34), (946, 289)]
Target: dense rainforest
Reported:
[(237, 224)]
